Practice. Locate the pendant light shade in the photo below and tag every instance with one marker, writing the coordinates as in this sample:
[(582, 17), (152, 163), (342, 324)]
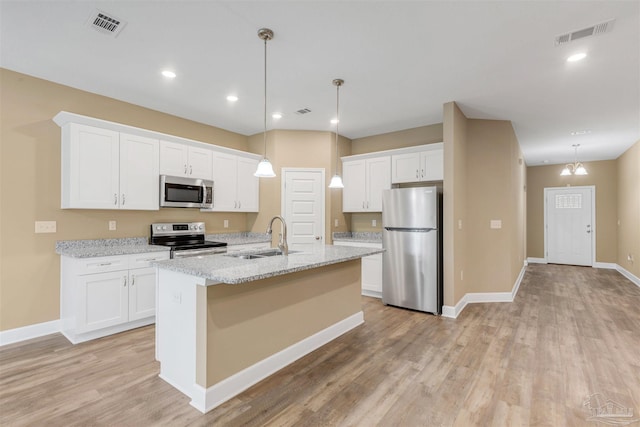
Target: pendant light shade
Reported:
[(265, 170), (575, 168), (336, 181)]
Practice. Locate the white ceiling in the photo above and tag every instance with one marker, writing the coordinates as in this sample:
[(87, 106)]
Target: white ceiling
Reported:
[(401, 61)]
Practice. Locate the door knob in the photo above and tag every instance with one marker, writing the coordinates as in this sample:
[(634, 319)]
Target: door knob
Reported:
[(317, 237)]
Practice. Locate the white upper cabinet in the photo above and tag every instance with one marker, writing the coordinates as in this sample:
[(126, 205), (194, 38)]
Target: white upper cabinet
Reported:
[(364, 180), (139, 172), (104, 169), (425, 165), (178, 159), (235, 189)]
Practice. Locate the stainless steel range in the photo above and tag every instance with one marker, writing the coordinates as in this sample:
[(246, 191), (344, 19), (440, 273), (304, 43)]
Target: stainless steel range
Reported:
[(185, 239)]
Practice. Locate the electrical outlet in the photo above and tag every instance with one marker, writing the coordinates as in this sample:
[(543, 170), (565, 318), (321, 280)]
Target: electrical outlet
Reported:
[(112, 225), (45, 227), (226, 223), (374, 223), (459, 224), (630, 258), (335, 223), (496, 223)]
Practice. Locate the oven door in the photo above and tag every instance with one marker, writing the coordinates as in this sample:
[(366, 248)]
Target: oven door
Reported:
[(179, 192), (197, 252)]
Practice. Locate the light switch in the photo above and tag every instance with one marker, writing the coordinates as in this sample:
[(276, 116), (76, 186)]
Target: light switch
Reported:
[(496, 223), (459, 224), (45, 227)]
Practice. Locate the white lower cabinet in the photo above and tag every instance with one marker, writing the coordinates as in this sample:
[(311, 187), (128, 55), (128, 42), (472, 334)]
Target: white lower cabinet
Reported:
[(371, 275), (105, 295)]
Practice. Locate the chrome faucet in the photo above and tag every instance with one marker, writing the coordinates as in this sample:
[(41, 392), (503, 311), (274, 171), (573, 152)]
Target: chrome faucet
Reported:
[(282, 244)]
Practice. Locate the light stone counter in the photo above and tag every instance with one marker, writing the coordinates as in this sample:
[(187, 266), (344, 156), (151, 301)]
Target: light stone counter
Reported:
[(232, 270), (106, 247), (358, 236)]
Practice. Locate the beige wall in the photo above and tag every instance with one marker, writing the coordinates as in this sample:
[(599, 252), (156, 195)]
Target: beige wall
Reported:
[(388, 141), (495, 191), (604, 176), (249, 322), (30, 190), (455, 135), (299, 149), (628, 180)]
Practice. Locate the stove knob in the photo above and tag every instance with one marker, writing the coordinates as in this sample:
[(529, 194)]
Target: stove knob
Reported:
[(164, 227), (200, 227)]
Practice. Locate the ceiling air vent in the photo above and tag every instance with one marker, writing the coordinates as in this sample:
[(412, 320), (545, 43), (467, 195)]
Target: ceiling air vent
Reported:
[(303, 111), (106, 23), (593, 30)]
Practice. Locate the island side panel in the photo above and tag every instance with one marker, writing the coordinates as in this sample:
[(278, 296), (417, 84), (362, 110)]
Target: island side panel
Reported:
[(249, 322)]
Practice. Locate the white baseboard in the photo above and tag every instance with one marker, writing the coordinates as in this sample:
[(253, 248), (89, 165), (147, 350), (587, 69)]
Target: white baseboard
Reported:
[(373, 294), (606, 265), (628, 275), (532, 260), (207, 399), (29, 332), (476, 297)]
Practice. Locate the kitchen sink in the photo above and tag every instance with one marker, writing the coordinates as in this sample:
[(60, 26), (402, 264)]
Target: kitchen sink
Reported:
[(259, 255)]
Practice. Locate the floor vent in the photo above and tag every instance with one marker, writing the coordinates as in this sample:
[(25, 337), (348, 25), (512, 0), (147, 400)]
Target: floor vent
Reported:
[(106, 23), (593, 30), (303, 111)]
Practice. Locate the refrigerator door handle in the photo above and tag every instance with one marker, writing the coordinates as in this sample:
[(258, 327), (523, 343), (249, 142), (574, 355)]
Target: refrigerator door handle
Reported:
[(410, 230)]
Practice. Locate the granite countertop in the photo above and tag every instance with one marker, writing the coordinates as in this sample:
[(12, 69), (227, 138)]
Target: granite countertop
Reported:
[(358, 236), (106, 247), (233, 270), (242, 238)]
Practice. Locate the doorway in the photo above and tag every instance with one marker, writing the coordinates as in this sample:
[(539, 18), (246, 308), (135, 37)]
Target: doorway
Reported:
[(303, 207), (570, 225)]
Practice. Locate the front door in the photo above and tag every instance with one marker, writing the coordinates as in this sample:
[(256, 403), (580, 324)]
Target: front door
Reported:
[(303, 207), (569, 228)]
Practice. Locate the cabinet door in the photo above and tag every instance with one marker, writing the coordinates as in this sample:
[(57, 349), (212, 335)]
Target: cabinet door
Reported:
[(354, 191), (372, 273), (174, 158), (432, 165), (248, 186), (142, 293), (91, 180), (200, 163), (378, 178), (139, 172), (405, 168), (224, 182), (102, 300)]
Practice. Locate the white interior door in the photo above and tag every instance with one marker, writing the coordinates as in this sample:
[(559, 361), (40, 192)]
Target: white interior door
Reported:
[(303, 207), (569, 225)]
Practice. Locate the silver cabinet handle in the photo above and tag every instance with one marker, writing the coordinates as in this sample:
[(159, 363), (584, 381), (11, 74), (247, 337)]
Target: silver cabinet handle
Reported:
[(417, 173), (124, 280), (102, 264), (123, 199), (363, 205), (115, 198), (239, 204), (423, 173), (190, 169), (185, 168), (367, 205), (133, 280)]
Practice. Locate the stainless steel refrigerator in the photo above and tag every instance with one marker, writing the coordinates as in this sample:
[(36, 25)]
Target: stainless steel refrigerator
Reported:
[(411, 235)]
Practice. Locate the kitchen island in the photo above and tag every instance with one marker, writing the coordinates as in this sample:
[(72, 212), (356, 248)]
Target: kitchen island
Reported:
[(224, 323)]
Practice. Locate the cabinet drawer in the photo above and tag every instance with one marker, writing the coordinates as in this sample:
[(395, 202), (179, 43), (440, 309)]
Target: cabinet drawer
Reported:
[(145, 259), (102, 264)]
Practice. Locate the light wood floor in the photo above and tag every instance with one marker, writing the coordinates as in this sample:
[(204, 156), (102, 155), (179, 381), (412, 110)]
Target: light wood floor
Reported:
[(572, 332)]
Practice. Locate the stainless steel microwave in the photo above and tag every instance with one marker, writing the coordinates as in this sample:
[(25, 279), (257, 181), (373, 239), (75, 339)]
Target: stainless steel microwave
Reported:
[(180, 192)]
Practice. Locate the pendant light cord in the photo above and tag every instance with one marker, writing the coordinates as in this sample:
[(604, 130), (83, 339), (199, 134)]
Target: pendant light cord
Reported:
[(265, 99), (337, 123)]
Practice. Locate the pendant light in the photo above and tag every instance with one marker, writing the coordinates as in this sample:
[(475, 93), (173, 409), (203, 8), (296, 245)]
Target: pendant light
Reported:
[(575, 168), (265, 170), (336, 181)]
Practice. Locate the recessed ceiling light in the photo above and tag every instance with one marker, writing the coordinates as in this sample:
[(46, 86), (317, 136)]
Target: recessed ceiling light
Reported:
[(169, 74), (580, 132), (277, 115), (577, 57), (232, 98), (334, 121)]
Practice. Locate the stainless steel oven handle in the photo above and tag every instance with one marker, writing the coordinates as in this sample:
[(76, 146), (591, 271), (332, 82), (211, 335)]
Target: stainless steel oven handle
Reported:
[(196, 252)]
